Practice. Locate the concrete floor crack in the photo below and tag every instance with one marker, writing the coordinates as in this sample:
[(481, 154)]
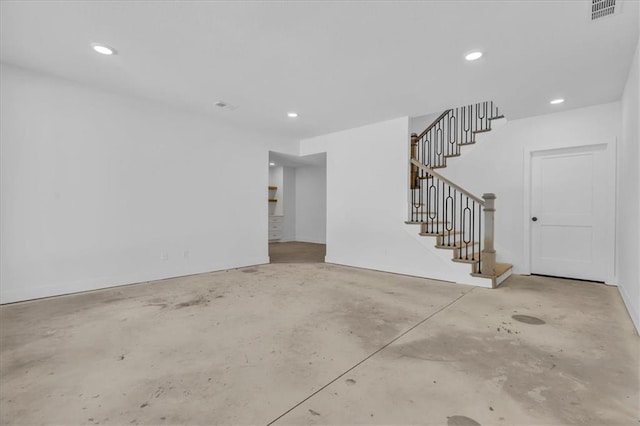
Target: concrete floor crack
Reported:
[(383, 347)]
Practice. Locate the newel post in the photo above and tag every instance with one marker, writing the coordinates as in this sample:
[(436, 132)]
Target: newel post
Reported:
[(488, 252), (414, 156)]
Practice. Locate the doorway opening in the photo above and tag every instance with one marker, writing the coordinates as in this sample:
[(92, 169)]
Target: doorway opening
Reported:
[(297, 208), (570, 212)]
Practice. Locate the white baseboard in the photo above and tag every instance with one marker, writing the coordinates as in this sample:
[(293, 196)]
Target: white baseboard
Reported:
[(310, 240), (101, 283), (632, 310)]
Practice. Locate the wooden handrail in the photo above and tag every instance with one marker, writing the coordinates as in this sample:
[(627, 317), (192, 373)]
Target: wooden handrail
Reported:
[(434, 123), (453, 185)]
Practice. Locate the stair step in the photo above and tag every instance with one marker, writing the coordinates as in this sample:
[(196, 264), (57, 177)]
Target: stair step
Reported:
[(439, 167), (466, 143), (499, 269), (470, 261), (437, 234), (457, 245), (481, 131), (425, 177), (502, 271), (451, 155), (425, 222), (497, 117)]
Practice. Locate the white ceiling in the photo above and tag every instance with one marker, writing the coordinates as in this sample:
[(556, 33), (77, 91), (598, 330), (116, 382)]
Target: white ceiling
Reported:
[(338, 64)]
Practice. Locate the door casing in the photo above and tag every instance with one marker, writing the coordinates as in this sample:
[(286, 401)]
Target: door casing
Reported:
[(609, 202)]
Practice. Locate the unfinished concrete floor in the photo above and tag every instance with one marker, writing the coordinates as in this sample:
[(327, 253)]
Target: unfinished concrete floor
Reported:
[(321, 344), (297, 252)]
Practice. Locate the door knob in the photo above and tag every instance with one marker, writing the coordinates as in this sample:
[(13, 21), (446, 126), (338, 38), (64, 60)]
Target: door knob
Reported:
[(535, 219)]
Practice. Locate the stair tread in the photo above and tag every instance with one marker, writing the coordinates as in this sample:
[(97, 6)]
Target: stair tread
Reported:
[(499, 269), (481, 131), (457, 245), (421, 222), (471, 261), (437, 234), (497, 117)]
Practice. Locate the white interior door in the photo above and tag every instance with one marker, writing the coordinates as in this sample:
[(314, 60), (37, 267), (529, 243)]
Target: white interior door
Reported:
[(568, 213)]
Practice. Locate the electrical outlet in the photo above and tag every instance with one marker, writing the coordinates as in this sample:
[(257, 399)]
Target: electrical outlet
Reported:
[(164, 255), (185, 253)]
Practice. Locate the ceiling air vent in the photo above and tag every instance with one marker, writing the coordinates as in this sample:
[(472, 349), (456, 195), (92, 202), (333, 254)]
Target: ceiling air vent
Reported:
[(602, 8), (225, 105)]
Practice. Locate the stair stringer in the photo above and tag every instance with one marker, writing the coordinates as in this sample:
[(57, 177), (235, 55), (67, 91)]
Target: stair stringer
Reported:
[(444, 268)]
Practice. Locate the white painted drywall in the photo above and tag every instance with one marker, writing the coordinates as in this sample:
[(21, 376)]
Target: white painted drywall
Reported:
[(367, 204), (628, 208), (419, 124), (290, 205), (311, 204), (97, 187), (496, 163)]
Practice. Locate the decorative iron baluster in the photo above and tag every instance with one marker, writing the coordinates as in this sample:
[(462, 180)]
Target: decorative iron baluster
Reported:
[(479, 240), (440, 206)]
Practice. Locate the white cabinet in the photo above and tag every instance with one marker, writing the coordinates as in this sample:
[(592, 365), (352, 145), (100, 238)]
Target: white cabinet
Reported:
[(275, 220), (275, 227)]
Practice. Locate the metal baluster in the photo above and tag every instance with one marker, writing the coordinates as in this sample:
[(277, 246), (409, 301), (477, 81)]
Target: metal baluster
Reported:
[(479, 240), (467, 229), (461, 228), (473, 225), (453, 217), (444, 209), (437, 197), (474, 109)]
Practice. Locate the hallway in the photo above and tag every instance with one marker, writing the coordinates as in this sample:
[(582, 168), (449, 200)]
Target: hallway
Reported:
[(297, 252)]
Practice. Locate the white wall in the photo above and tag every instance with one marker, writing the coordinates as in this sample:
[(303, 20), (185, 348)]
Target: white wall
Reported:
[(497, 164), (419, 124), (628, 231), (311, 204), (367, 204), (96, 186)]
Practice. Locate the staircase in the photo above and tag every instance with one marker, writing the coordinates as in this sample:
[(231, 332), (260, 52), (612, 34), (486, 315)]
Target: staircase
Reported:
[(456, 219)]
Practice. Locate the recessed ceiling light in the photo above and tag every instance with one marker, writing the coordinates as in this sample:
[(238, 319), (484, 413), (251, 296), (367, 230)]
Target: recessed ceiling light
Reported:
[(472, 56), (272, 164), (292, 114), (103, 49), (557, 101)]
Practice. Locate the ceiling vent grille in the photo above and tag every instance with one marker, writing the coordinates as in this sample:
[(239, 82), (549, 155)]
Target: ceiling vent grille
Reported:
[(602, 8), (225, 105)]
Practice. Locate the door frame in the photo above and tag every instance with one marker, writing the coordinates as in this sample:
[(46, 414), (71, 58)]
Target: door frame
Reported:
[(609, 202)]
